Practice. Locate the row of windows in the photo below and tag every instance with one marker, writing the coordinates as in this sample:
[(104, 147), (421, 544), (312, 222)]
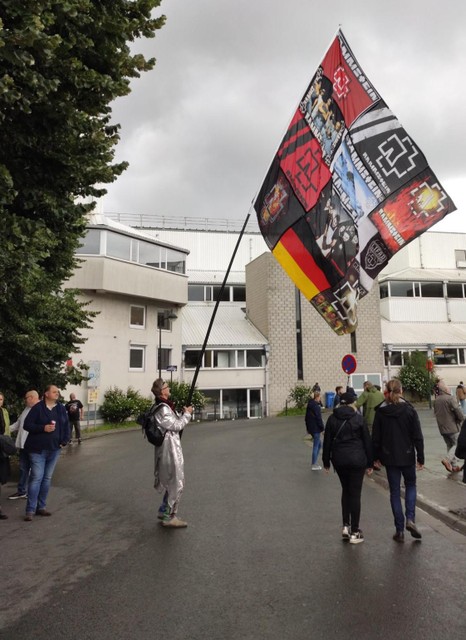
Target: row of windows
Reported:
[(102, 242), (137, 318), (137, 358), (209, 293), (225, 358), (403, 289), (440, 356)]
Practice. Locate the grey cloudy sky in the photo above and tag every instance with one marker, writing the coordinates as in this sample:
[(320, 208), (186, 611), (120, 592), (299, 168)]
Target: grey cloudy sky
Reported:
[(200, 130)]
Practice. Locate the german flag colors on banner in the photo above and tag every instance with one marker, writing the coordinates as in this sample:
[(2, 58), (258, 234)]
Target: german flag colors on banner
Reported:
[(347, 189)]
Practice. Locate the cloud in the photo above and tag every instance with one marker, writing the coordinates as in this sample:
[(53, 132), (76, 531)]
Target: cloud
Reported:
[(201, 129)]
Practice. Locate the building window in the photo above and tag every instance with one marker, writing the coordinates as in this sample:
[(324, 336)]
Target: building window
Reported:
[(164, 356), (354, 346), (432, 289), (460, 257), (383, 290), (196, 293), (137, 358), (90, 244), (224, 358), (455, 289), (446, 356), (137, 319), (225, 294), (399, 289), (239, 293), (164, 321), (118, 246)]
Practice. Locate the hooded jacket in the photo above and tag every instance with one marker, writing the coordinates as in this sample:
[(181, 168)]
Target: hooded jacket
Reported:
[(369, 400), (313, 418), (397, 435), (449, 416), (347, 442)]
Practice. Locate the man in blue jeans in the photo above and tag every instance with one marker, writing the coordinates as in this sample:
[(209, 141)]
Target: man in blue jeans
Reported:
[(48, 428), (399, 445)]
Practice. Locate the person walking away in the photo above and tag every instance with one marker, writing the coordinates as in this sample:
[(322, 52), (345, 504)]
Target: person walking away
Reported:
[(17, 428), (169, 462), (461, 397), (449, 420), (314, 426), (348, 447), (369, 399), (74, 409), (398, 444), (48, 429), (4, 418)]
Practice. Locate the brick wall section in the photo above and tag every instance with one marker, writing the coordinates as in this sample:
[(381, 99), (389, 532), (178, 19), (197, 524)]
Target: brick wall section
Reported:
[(271, 306)]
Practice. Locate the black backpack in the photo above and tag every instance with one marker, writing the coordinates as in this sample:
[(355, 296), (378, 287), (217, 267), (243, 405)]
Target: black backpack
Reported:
[(151, 430)]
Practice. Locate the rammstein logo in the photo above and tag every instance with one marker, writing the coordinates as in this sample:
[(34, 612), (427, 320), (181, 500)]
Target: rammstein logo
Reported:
[(340, 82), (397, 156)]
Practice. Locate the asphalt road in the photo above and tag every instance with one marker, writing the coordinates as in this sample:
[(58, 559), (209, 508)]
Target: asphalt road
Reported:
[(262, 557)]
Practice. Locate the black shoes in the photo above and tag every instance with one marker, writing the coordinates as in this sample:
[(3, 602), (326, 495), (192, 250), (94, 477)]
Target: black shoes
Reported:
[(399, 536), (413, 530)]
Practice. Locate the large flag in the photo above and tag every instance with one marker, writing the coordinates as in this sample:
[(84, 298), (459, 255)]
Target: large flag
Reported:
[(347, 188)]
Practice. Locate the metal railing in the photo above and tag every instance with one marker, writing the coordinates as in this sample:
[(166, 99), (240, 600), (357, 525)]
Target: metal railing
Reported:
[(154, 221)]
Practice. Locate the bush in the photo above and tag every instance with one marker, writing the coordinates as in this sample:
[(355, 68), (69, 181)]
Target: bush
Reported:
[(300, 395), (119, 406), (179, 392), (415, 377)]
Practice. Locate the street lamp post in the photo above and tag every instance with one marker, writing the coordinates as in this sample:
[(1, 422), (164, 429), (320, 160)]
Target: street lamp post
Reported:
[(163, 317)]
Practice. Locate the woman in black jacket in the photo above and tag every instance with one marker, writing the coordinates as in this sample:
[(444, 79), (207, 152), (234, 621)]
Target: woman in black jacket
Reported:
[(347, 445), (399, 445)]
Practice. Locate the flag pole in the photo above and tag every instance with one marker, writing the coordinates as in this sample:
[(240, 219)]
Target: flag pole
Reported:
[(219, 297)]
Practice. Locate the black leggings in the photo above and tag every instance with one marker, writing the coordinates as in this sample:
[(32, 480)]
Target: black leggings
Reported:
[(351, 479)]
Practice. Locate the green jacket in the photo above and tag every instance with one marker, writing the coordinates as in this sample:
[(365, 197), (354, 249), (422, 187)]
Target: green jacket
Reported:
[(6, 421), (369, 400)]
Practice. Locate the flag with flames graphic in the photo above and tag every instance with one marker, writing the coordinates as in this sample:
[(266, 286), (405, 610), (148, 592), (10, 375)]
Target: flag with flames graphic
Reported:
[(347, 189)]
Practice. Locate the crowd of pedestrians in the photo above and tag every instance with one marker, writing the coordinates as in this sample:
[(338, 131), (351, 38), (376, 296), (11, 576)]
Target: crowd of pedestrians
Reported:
[(41, 431), (386, 434)]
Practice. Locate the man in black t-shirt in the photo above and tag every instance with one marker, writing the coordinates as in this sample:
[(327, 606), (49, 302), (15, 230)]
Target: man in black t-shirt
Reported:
[(74, 409)]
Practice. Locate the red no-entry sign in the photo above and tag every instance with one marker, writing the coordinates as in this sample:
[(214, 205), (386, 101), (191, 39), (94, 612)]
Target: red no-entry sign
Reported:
[(348, 363)]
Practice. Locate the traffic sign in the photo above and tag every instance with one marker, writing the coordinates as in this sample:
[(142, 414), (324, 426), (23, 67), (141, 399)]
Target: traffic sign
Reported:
[(171, 367), (349, 364)]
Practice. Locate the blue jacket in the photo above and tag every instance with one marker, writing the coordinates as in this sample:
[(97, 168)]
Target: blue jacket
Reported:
[(313, 419), (37, 418)]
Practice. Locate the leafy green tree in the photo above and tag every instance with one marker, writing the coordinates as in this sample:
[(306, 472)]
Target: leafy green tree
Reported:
[(61, 66), (415, 376), (179, 393)]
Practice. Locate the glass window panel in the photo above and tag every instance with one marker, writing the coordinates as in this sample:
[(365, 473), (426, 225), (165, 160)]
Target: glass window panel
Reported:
[(191, 358), (383, 290), (241, 360), (455, 289), (137, 316), (445, 356), (90, 244), (225, 295), (211, 410), (196, 292), (164, 356), (136, 358), (208, 294), (401, 289), (176, 261), (461, 353), (118, 246), (224, 359), (432, 289), (239, 293), (208, 359), (254, 358), (149, 254)]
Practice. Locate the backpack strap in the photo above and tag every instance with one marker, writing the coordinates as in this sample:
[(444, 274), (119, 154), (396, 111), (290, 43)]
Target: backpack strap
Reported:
[(338, 432)]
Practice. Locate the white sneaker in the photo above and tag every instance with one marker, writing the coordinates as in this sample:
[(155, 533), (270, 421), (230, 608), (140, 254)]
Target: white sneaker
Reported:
[(356, 538), (316, 467), (174, 523), (345, 532)]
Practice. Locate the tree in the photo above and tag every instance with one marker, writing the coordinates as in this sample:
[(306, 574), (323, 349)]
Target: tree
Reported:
[(61, 66), (179, 393), (415, 376)]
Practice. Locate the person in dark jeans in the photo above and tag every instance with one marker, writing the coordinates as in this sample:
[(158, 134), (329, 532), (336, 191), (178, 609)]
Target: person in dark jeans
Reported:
[(348, 447), (74, 409), (399, 445), (314, 426)]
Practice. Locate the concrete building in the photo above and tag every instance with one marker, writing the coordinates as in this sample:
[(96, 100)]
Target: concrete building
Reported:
[(266, 337)]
